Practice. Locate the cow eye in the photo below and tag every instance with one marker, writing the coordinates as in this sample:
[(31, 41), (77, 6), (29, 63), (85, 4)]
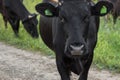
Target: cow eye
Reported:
[(62, 19), (86, 19)]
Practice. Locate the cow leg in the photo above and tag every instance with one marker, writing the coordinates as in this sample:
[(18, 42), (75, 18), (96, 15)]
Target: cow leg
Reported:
[(15, 26), (61, 66), (114, 19), (63, 71), (84, 75)]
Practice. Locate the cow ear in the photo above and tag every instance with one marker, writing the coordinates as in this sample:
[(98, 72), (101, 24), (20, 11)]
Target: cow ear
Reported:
[(47, 9), (101, 8)]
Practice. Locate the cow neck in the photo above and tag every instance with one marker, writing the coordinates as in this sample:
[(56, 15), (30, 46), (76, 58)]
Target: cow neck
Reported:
[(19, 9)]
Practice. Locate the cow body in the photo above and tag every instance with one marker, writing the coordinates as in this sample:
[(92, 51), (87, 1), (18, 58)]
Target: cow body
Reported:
[(14, 11), (1, 3), (71, 32)]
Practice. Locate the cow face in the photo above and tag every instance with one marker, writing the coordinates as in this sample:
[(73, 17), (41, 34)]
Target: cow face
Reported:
[(30, 24), (74, 18)]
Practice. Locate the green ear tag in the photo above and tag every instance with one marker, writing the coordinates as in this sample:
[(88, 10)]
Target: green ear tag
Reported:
[(48, 12), (103, 10)]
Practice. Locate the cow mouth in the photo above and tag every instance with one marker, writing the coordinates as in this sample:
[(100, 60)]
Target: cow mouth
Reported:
[(34, 34)]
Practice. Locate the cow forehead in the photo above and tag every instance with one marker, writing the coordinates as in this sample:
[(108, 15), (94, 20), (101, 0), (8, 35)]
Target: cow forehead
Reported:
[(70, 8), (75, 4)]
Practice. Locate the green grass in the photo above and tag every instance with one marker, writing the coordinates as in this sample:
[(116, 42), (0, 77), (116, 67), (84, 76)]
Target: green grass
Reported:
[(107, 51), (25, 41)]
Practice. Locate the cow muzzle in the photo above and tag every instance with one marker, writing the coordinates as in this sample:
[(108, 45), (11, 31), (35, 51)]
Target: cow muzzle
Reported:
[(77, 50)]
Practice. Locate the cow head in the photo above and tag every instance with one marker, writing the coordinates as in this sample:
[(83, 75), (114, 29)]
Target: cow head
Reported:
[(30, 24), (74, 18)]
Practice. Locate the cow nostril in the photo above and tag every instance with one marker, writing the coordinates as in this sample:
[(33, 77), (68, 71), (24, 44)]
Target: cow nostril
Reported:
[(76, 44)]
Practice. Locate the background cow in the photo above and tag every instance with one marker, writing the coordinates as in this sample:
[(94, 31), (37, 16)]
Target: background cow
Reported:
[(70, 29), (14, 11), (116, 9)]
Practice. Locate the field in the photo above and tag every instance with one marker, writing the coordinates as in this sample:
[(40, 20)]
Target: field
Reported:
[(107, 52)]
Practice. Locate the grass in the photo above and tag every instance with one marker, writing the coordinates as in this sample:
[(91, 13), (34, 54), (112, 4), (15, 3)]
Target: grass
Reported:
[(24, 41), (107, 51)]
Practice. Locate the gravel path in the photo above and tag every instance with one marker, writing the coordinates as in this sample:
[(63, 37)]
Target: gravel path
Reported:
[(17, 64)]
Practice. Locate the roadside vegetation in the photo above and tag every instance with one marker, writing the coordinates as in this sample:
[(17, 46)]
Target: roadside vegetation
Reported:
[(107, 51)]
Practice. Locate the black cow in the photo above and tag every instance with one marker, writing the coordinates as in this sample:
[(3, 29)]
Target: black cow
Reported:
[(14, 11), (70, 29), (1, 3), (116, 10)]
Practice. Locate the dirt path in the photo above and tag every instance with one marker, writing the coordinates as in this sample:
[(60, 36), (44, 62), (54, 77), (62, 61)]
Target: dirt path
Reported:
[(17, 64)]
